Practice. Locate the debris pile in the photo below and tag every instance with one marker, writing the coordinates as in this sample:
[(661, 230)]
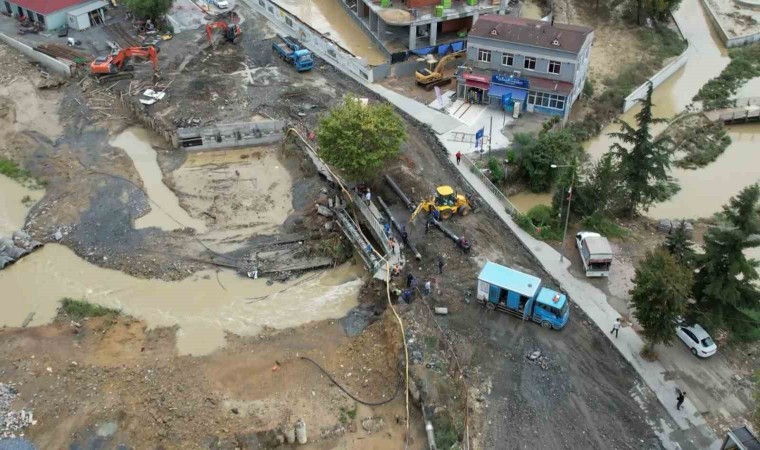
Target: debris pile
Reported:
[(12, 423), (20, 244)]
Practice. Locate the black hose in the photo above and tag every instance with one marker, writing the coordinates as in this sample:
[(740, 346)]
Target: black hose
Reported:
[(398, 386)]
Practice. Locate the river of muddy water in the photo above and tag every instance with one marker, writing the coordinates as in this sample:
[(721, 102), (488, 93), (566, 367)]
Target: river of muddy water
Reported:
[(329, 18)]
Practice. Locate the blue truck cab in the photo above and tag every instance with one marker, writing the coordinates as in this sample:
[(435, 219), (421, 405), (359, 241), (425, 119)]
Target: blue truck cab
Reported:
[(292, 52), (522, 295)]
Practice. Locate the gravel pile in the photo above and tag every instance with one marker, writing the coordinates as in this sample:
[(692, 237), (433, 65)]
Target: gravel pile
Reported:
[(12, 423)]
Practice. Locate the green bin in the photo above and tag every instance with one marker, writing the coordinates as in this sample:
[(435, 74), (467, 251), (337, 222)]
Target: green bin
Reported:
[(385, 3), (446, 4), (439, 10), (472, 2)]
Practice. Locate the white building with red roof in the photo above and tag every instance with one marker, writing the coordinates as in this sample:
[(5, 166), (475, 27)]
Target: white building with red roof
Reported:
[(54, 14)]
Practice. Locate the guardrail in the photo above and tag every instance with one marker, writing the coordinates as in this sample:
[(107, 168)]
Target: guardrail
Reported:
[(511, 209)]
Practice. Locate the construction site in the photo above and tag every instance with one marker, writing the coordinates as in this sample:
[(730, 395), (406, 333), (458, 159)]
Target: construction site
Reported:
[(253, 299)]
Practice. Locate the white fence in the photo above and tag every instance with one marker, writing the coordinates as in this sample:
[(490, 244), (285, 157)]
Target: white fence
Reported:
[(511, 209), (50, 63), (316, 42)]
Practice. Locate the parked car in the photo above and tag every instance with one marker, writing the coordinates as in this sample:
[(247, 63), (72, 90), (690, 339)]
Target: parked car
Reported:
[(221, 4), (696, 338)]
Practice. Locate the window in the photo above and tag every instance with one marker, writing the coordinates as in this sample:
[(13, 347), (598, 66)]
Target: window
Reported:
[(289, 22), (546, 100), (530, 63), (507, 59), (41, 18), (554, 66), (484, 55)]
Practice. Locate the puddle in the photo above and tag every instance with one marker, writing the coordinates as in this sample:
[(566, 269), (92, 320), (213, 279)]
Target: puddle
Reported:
[(165, 212), (30, 105), (12, 211), (330, 19), (703, 191), (202, 306), (524, 201)]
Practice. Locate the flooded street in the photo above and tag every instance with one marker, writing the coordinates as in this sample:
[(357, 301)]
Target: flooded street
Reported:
[(705, 190), (165, 212), (203, 306), (531, 10), (330, 19), (526, 200)]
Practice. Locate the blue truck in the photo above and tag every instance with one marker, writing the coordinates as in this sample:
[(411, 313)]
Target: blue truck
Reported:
[(292, 52), (522, 295)]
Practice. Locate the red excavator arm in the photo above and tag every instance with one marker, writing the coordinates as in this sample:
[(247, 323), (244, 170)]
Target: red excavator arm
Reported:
[(230, 31), (114, 62)]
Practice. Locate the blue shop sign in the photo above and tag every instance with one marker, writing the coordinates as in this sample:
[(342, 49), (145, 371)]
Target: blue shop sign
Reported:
[(510, 80)]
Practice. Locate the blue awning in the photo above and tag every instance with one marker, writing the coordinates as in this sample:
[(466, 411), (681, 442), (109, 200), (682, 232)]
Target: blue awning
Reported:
[(498, 90)]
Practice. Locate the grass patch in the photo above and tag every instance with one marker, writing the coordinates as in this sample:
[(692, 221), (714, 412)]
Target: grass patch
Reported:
[(446, 433), (744, 65), (12, 170), (79, 309), (347, 415), (541, 222), (604, 226), (431, 343)]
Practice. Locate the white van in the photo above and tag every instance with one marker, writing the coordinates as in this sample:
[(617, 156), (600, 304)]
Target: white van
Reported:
[(596, 253)]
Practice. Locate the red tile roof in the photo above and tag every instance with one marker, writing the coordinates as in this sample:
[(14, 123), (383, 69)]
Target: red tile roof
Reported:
[(547, 85), (559, 36), (47, 6)]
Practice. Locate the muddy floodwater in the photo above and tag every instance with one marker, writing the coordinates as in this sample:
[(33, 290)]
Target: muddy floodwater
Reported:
[(204, 306), (526, 200), (165, 211), (330, 19), (13, 210), (531, 10)]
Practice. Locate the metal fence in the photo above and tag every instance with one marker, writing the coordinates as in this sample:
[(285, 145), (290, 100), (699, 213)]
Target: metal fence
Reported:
[(511, 209)]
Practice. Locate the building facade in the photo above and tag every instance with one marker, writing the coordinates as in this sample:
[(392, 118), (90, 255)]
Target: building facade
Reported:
[(524, 64), (54, 14)]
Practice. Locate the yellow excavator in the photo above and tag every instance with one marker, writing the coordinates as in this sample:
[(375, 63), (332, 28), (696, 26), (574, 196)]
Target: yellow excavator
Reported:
[(446, 201), (431, 77)]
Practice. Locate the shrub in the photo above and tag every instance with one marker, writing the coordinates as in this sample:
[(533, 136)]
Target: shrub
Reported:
[(79, 309)]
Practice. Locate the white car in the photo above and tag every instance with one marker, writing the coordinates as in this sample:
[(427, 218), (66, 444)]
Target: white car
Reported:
[(696, 338), (221, 4)]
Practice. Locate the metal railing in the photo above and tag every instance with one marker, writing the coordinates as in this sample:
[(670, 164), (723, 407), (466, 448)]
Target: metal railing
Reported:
[(511, 209)]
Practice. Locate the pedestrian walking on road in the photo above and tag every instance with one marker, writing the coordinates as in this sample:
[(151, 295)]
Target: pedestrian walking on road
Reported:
[(459, 157), (441, 263), (616, 327), (428, 288), (681, 397)]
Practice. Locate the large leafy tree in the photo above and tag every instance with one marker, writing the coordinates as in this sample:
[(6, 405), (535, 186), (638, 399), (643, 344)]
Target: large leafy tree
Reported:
[(596, 192), (644, 161), (661, 291), (726, 284), (359, 138), (537, 155), (149, 9)]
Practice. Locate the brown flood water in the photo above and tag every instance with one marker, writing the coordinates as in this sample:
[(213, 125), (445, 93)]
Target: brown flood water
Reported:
[(12, 211), (703, 191), (329, 18), (531, 10), (203, 306)]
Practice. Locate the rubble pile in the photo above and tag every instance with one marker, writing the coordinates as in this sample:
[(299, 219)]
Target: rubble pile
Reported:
[(11, 250), (12, 423)]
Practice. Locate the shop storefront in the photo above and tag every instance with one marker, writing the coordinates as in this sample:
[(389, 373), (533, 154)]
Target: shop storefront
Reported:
[(509, 92), (474, 88), (515, 94)]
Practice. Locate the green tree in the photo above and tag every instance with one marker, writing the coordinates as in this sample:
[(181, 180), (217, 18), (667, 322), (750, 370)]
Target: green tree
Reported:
[(596, 192), (359, 138), (149, 9), (725, 286), (661, 290), (645, 166), (680, 246), (537, 155)]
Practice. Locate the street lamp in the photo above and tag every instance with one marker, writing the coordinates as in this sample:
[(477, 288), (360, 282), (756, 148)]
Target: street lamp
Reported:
[(569, 200)]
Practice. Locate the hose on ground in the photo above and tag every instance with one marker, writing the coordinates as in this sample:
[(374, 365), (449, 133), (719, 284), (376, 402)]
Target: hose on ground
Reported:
[(395, 393)]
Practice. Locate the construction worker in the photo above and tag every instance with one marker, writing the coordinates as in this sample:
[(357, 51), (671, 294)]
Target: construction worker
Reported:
[(436, 214), (405, 235), (459, 157), (441, 263), (428, 288), (367, 197), (409, 279)]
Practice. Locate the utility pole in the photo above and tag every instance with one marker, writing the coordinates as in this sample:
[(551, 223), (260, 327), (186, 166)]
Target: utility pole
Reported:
[(490, 137)]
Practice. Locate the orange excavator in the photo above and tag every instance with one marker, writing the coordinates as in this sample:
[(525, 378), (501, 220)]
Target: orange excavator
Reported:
[(118, 62), (230, 31)]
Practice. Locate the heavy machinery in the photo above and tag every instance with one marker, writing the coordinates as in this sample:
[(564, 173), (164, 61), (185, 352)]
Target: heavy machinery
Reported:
[(292, 52), (446, 202), (230, 31), (431, 77), (118, 61)]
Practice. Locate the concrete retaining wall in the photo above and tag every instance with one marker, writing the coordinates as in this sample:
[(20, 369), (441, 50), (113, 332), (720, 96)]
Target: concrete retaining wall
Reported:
[(729, 42), (233, 135), (312, 39), (50, 63), (661, 76)]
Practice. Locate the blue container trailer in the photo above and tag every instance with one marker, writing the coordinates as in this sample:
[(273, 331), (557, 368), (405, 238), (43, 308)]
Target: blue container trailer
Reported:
[(522, 295)]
